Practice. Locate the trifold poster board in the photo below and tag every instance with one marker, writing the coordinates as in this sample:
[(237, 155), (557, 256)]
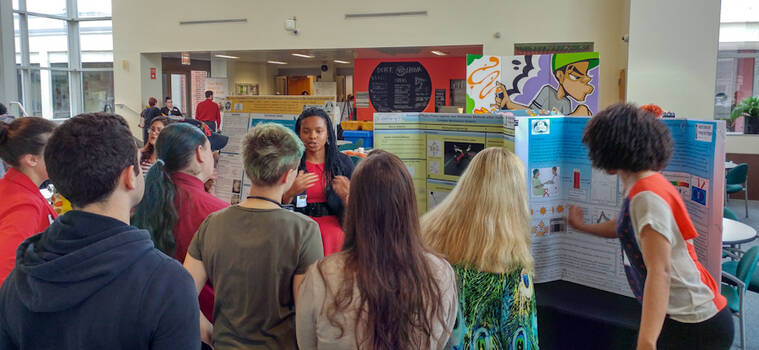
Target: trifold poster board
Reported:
[(559, 174), (566, 83), (241, 113), (437, 147)]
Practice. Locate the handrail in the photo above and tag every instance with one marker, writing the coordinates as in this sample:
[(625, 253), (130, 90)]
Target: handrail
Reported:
[(20, 107)]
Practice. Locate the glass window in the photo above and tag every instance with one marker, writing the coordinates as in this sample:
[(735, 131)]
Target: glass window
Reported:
[(96, 36), (48, 7), (48, 41), (97, 87), (60, 88), (17, 37), (15, 4), (94, 8), (33, 104)]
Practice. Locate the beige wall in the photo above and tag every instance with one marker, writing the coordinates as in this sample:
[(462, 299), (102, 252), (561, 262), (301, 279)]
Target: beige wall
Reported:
[(322, 24)]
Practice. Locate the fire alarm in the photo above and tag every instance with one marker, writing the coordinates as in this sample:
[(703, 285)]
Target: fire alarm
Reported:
[(324, 68), (290, 25)]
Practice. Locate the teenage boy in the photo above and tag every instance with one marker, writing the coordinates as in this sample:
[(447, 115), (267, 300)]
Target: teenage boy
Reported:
[(256, 253), (92, 281)]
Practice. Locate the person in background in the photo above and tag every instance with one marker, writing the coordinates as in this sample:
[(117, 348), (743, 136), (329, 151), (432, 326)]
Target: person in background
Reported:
[(256, 253), (385, 290), (175, 200), (682, 305), (147, 153), (208, 112), (146, 118), (169, 110), (321, 188), (7, 119), (23, 210), (483, 228), (91, 281)]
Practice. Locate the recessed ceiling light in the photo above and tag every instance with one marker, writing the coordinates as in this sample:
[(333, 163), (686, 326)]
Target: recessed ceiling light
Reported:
[(343, 62), (276, 62), (226, 56), (439, 53), (302, 55)]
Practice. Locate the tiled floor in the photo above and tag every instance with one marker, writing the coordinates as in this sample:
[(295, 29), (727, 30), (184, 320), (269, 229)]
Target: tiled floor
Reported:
[(752, 299)]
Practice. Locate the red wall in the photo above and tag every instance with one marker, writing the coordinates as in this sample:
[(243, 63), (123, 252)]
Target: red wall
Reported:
[(440, 69)]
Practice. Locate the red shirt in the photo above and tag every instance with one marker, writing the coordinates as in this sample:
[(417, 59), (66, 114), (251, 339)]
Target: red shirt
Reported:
[(23, 213), (208, 111), (193, 205)]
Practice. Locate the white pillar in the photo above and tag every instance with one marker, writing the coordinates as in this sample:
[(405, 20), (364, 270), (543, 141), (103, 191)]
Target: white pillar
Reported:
[(46, 86), (672, 56)]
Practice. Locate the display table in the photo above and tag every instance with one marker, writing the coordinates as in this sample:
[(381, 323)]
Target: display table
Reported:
[(736, 232), (572, 316)]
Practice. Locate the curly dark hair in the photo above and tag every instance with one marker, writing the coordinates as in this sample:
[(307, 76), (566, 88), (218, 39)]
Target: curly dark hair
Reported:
[(86, 155), (625, 137)]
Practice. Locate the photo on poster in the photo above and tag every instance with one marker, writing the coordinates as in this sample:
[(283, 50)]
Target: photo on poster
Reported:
[(545, 182), (458, 155), (235, 199), (236, 185), (434, 148)]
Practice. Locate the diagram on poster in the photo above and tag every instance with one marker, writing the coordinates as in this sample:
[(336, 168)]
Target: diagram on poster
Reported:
[(605, 187)]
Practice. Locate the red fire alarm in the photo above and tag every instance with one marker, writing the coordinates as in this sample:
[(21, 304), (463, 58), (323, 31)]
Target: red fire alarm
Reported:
[(152, 73)]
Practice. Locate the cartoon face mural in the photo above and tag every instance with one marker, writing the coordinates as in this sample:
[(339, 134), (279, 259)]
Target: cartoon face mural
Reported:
[(564, 84)]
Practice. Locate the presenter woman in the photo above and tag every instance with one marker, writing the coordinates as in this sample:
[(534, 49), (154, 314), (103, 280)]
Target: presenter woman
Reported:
[(23, 210), (321, 188)]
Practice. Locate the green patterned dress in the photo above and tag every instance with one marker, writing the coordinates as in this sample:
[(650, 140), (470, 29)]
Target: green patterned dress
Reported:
[(496, 311)]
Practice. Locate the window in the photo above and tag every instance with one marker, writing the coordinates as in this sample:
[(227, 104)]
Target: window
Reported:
[(738, 60), (54, 81)]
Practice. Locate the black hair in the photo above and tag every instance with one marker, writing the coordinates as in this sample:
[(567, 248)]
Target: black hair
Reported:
[(166, 99), (332, 165), (148, 150), (23, 136), (625, 137), (3, 110), (157, 213), (209, 93), (86, 155)]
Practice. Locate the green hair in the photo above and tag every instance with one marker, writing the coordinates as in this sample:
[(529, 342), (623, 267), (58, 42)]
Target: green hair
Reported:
[(268, 151)]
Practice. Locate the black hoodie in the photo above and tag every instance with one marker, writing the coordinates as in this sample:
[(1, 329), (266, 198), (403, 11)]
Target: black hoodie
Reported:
[(93, 282)]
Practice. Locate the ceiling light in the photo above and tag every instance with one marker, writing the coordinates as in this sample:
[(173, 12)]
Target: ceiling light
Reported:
[(225, 56), (343, 62), (302, 55), (439, 53), (276, 62)]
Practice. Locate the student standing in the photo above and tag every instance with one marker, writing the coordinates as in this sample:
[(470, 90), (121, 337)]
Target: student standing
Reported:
[(175, 200), (23, 210), (146, 118), (385, 290), (255, 253), (483, 229), (682, 305), (321, 188), (208, 112), (91, 281), (147, 153)]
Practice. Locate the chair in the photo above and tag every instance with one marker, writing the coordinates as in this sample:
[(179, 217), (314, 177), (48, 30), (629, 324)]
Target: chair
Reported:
[(735, 288), (736, 180)]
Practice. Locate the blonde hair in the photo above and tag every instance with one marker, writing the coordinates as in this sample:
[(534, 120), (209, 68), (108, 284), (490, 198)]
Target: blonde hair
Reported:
[(484, 222)]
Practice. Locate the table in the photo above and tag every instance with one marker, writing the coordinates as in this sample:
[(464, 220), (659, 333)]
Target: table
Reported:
[(736, 232)]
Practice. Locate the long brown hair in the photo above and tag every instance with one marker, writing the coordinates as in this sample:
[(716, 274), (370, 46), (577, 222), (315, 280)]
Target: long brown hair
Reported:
[(399, 297)]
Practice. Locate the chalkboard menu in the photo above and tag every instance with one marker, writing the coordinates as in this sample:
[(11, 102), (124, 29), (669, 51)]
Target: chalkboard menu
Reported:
[(439, 97), (400, 87)]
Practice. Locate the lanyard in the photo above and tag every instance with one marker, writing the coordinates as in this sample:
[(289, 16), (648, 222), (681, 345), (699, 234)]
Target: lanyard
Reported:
[(288, 207)]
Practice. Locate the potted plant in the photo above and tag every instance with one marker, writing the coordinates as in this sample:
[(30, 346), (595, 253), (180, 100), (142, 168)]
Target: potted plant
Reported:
[(749, 109)]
